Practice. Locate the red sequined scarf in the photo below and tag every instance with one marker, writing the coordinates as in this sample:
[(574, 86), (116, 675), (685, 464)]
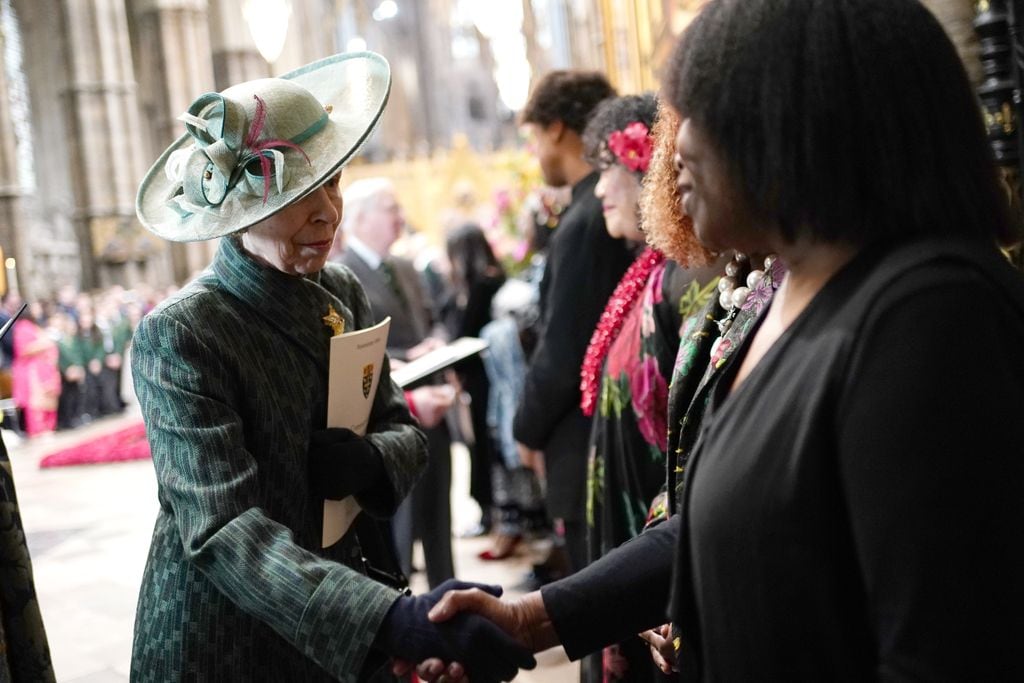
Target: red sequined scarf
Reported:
[(618, 307)]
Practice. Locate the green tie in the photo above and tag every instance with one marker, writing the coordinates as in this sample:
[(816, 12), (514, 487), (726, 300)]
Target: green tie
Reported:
[(388, 271)]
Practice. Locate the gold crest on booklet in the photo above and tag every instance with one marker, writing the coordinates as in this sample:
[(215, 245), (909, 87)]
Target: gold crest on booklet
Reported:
[(367, 379)]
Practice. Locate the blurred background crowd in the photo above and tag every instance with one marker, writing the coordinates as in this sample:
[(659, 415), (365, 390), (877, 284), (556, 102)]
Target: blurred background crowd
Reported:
[(64, 364)]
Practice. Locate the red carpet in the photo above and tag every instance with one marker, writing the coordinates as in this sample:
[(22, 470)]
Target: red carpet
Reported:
[(127, 443)]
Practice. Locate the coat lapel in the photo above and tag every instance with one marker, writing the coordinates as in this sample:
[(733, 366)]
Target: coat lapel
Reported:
[(293, 304)]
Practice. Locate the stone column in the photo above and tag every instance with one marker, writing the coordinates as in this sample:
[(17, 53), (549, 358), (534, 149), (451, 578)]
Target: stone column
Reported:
[(11, 218), (48, 237), (171, 40), (586, 33), (235, 57), (106, 160), (311, 34)]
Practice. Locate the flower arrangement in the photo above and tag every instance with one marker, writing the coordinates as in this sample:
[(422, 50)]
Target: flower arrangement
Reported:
[(522, 206), (517, 176)]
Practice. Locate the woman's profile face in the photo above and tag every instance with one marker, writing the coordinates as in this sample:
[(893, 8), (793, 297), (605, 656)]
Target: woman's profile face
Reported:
[(709, 196), (297, 239), (619, 192)]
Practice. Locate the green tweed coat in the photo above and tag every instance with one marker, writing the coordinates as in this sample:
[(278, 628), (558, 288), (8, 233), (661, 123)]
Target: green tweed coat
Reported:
[(231, 375)]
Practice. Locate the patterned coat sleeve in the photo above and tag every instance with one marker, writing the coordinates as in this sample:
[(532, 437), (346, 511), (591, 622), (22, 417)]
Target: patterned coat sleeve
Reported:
[(209, 481)]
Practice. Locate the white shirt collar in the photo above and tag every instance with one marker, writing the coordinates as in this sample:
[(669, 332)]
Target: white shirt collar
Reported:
[(364, 252)]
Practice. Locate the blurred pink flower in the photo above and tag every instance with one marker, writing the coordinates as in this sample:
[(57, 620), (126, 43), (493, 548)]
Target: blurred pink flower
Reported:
[(650, 398), (520, 251), (502, 200)]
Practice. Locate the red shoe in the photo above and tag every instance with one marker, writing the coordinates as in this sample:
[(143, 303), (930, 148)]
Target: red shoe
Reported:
[(504, 547)]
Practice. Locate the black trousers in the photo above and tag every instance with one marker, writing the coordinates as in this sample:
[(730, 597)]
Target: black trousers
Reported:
[(426, 514), (474, 380), (70, 404)]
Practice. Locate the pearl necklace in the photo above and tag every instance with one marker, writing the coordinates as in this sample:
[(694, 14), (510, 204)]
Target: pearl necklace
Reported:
[(730, 297), (733, 298), (610, 323)]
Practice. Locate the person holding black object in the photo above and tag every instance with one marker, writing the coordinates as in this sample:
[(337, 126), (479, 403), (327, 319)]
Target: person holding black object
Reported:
[(24, 651), (583, 267), (852, 510)]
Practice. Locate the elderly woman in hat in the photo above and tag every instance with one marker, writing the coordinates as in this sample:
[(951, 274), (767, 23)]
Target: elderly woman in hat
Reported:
[(231, 375)]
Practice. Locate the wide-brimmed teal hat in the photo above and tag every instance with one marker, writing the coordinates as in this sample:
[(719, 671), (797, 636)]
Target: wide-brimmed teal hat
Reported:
[(259, 146)]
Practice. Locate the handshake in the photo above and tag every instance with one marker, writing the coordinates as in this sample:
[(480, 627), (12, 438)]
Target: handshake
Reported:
[(462, 630), (458, 629)]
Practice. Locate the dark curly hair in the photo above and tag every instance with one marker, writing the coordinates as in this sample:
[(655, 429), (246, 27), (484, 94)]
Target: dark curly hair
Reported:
[(841, 120), (614, 114), (566, 96)]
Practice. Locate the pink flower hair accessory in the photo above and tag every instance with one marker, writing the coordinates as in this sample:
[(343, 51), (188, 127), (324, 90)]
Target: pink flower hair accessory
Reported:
[(632, 146)]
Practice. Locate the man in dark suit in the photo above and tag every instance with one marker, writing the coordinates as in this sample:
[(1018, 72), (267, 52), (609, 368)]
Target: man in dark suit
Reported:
[(373, 221), (584, 265)]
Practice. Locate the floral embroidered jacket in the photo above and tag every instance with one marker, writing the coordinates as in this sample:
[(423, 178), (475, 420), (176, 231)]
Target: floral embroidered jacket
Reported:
[(697, 366), (628, 438)]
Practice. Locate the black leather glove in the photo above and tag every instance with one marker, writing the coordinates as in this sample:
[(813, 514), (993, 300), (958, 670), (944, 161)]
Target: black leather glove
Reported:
[(488, 653), (342, 463)]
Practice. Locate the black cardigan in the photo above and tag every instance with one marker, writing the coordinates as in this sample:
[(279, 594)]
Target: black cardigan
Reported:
[(853, 510)]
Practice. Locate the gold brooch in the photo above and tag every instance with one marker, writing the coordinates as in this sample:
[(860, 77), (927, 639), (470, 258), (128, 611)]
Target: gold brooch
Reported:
[(334, 321)]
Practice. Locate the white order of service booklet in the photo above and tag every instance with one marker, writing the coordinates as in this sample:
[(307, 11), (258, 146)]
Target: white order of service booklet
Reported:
[(356, 361), (435, 360)]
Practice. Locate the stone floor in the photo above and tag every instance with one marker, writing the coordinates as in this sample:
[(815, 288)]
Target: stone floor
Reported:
[(88, 530)]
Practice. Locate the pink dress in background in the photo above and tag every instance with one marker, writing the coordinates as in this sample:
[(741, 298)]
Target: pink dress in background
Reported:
[(35, 377)]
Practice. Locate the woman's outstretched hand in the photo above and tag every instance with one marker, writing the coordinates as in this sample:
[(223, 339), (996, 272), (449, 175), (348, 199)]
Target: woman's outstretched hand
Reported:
[(524, 619), (481, 649)]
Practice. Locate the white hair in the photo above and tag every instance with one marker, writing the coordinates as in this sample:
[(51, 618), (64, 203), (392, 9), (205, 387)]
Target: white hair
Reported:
[(360, 197)]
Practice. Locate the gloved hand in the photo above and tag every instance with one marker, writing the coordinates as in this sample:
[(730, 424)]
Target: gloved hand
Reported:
[(342, 463), (487, 652)]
